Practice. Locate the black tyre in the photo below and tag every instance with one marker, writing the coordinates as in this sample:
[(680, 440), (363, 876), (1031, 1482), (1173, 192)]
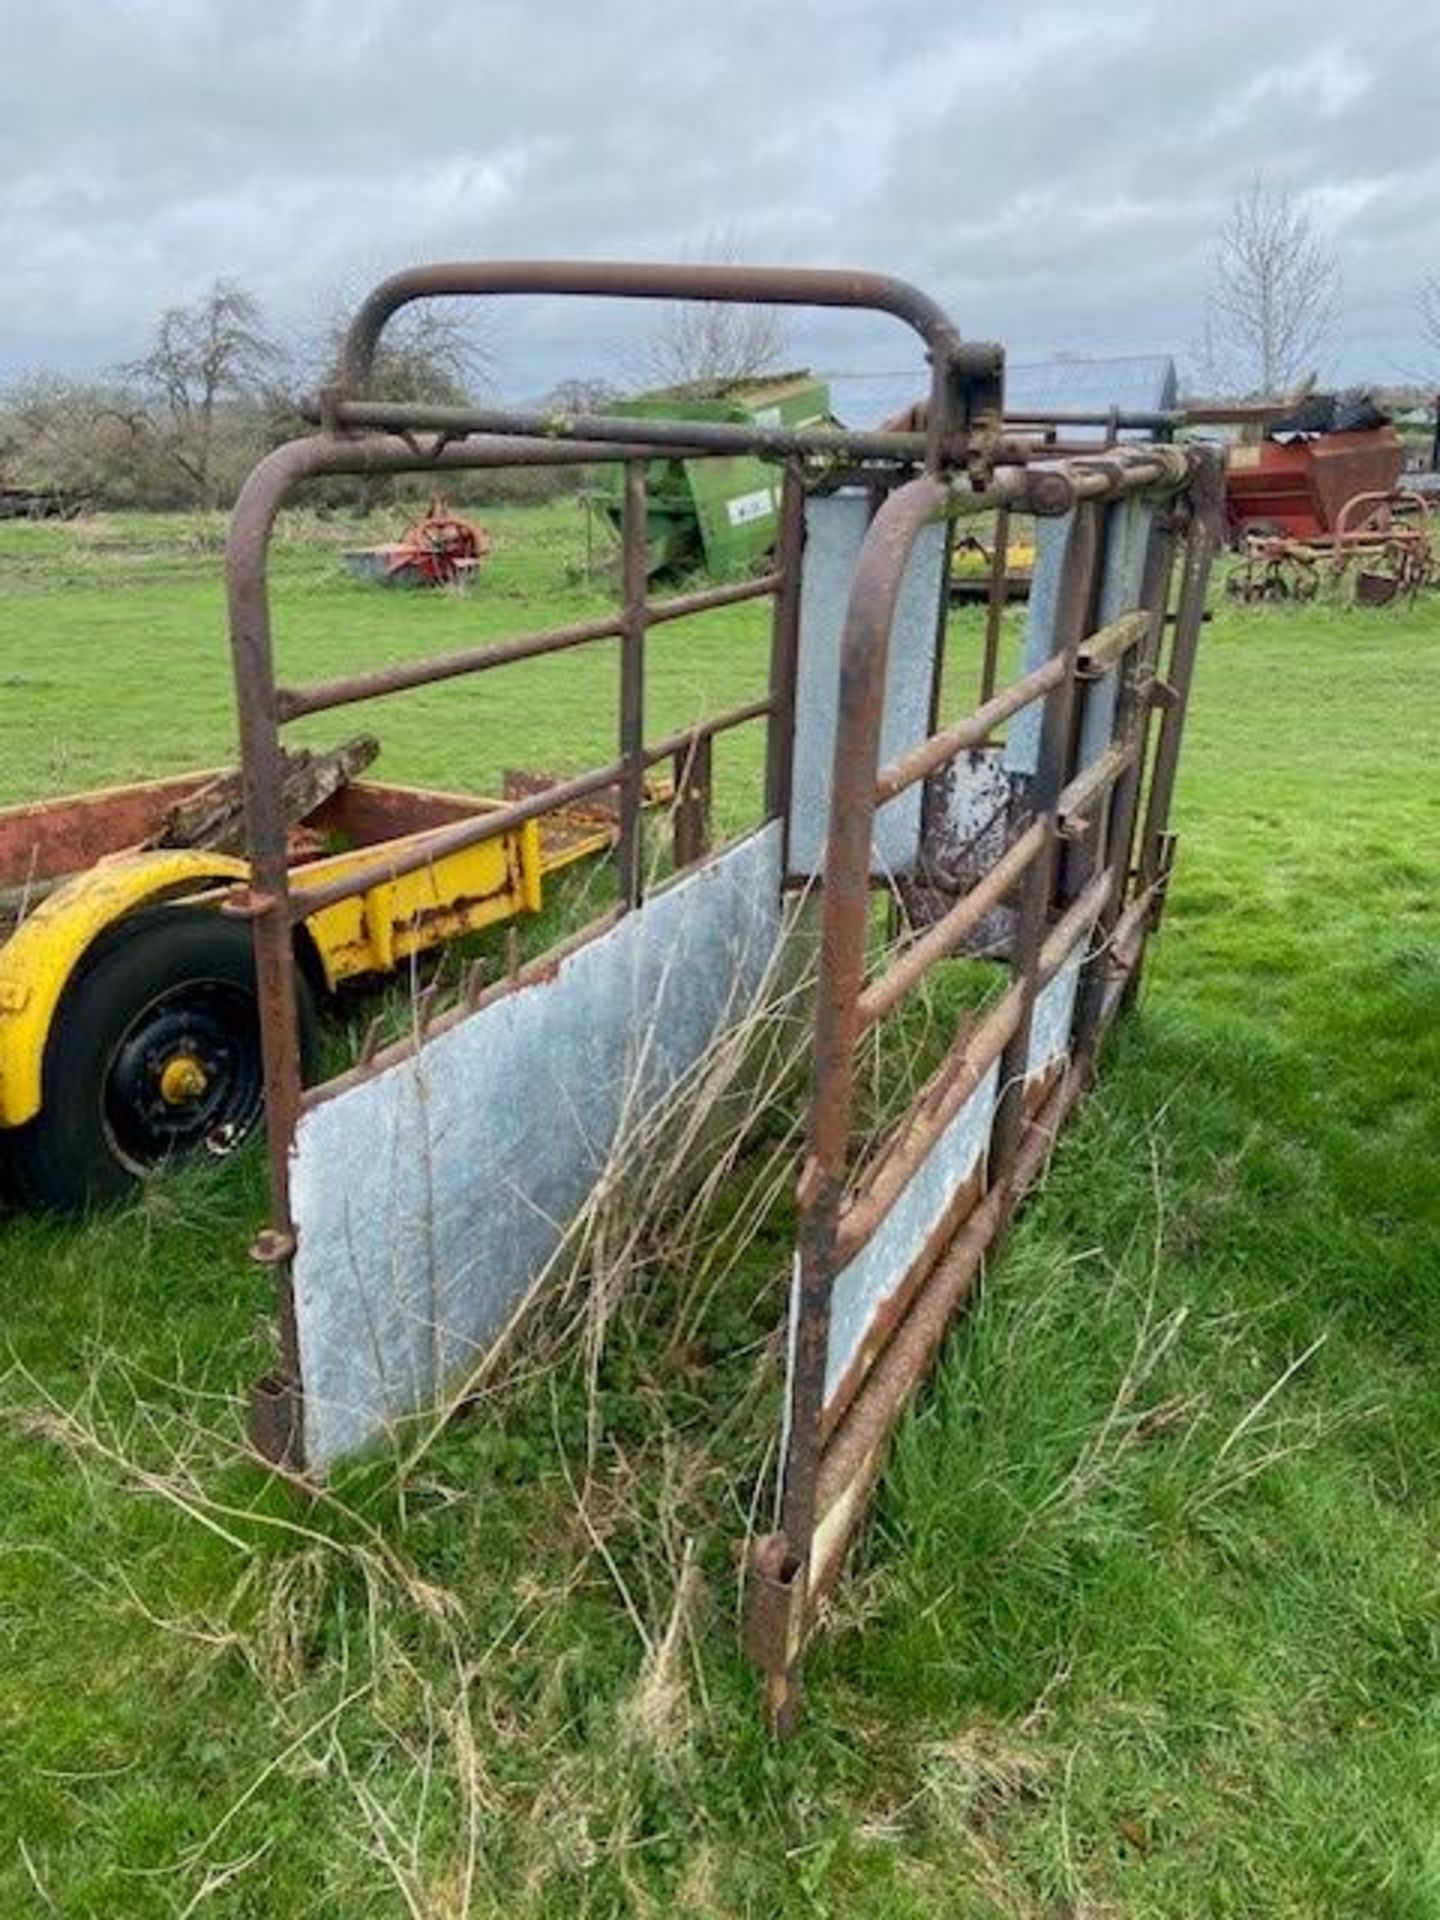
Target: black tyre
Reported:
[(153, 1058)]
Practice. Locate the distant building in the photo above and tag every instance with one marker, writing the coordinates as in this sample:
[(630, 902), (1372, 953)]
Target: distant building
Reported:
[(1134, 382)]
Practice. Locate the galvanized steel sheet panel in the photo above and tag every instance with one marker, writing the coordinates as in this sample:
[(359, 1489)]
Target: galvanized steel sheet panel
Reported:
[(1127, 541), (1052, 536), (430, 1196), (862, 1288), (835, 529), (1054, 1015)]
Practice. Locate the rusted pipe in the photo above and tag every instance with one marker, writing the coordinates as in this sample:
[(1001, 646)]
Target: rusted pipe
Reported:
[(902, 1157), (618, 433), (1092, 782), (637, 280), (973, 731), (634, 573), (1113, 641), (942, 939), (427, 848), (784, 656), (402, 675), (845, 912)]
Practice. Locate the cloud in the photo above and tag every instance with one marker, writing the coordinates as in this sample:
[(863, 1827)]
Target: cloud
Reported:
[(1055, 175)]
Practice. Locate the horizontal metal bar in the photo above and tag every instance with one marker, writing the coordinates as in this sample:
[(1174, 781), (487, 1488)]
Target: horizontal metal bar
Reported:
[(973, 731), (674, 743), (900, 1160), (453, 839), (1018, 444), (945, 935), (1079, 915), (320, 695), (616, 436), (1104, 476), (706, 599), (678, 436), (1224, 413), (489, 826), (347, 689), (1092, 782), (1158, 420), (1113, 641), (1133, 922)]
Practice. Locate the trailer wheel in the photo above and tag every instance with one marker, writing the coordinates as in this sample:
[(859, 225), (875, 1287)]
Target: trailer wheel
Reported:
[(154, 1058)]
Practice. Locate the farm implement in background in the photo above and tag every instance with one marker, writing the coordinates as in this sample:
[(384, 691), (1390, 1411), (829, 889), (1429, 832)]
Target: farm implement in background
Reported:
[(40, 503), (438, 550), (391, 1291), (1317, 505), (722, 513), (1379, 551)]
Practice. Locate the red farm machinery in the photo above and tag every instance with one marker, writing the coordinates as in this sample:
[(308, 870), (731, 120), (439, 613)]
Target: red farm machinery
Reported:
[(1318, 502)]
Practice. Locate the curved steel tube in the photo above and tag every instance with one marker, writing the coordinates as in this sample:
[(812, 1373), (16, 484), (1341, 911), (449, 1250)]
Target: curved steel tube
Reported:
[(631, 280), (845, 915), (636, 280)]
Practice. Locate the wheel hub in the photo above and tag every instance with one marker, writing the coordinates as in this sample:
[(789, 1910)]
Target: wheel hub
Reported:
[(182, 1080), (185, 1077)]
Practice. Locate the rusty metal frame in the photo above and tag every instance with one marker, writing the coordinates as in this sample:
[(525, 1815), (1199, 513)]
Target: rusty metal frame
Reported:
[(360, 436), (1075, 883), (1086, 861)]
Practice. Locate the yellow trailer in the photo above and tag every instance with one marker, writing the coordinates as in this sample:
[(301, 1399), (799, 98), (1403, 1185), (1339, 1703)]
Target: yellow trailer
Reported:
[(129, 1033)]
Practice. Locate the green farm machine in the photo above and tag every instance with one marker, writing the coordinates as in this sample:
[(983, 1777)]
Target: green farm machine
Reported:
[(719, 513)]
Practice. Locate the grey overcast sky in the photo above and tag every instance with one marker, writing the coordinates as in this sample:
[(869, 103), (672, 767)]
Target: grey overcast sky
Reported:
[(1054, 173)]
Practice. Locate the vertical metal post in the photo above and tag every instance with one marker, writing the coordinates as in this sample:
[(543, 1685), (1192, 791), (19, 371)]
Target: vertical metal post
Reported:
[(691, 806), (1189, 616), (276, 1412), (1132, 722), (995, 606), (632, 684), (1095, 845), (784, 656), (845, 919), (1073, 611)]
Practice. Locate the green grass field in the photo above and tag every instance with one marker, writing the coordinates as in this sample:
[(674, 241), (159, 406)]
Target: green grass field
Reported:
[(1148, 1617)]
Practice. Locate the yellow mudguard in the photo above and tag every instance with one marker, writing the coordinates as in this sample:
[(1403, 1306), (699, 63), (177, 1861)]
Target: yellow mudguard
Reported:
[(37, 961)]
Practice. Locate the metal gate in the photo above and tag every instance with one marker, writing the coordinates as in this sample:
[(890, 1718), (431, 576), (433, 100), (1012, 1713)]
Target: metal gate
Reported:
[(390, 1286)]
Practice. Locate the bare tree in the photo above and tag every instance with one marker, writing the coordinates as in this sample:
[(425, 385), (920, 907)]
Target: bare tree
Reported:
[(579, 395), (434, 350), (710, 344), (202, 357), (87, 439), (1273, 295)]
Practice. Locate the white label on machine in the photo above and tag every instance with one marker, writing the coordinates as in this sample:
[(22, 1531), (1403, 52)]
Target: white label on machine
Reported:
[(750, 506)]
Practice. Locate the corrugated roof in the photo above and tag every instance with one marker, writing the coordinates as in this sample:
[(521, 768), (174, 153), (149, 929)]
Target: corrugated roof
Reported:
[(1134, 382)]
